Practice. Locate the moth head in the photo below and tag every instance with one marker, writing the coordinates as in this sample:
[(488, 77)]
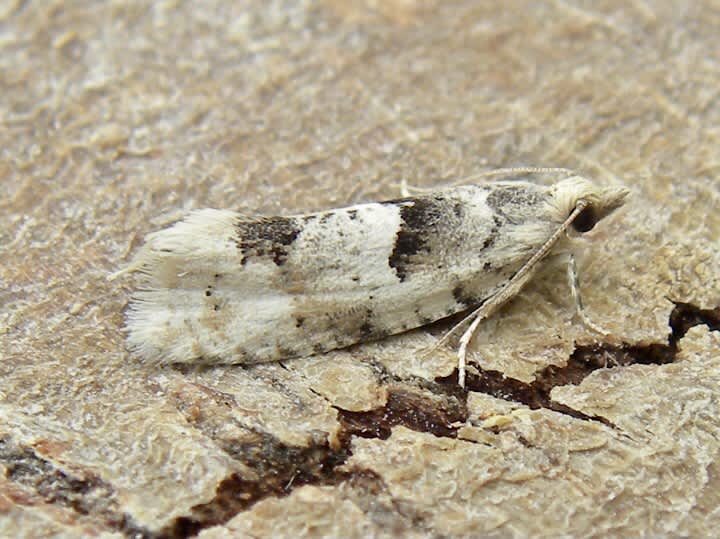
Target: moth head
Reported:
[(594, 202)]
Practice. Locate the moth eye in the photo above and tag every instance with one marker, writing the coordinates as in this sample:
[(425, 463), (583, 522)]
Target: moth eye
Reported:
[(585, 220)]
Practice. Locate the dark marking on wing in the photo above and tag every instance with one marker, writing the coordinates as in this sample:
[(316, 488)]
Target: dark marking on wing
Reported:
[(423, 319), (352, 214), (419, 216), (268, 236), (494, 233), (366, 329), (463, 296), (286, 352), (509, 200), (244, 355)]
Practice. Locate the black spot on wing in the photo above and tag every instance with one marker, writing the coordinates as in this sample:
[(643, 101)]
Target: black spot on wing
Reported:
[(267, 236), (369, 332), (419, 217), (366, 330), (425, 320), (463, 297), (458, 209), (286, 352), (247, 357), (493, 234)]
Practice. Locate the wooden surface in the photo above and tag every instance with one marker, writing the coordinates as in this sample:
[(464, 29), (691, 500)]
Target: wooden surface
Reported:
[(116, 118)]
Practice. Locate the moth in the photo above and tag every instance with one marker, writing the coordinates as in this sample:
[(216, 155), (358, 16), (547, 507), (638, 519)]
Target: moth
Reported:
[(222, 287)]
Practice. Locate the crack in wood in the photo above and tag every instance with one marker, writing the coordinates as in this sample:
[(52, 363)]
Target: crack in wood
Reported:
[(585, 360), (282, 468), (88, 496), (407, 408)]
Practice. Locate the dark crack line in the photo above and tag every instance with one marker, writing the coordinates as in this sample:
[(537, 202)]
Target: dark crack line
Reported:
[(283, 468), (585, 360), (535, 395), (407, 408), (685, 316), (87, 496), (373, 485)]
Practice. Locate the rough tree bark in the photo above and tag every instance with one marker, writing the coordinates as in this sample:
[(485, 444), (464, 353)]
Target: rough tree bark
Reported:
[(116, 118)]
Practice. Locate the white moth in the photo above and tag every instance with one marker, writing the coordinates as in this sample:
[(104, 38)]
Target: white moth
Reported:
[(221, 287)]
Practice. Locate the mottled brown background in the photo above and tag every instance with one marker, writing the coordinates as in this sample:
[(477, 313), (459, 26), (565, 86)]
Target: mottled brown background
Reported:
[(117, 117)]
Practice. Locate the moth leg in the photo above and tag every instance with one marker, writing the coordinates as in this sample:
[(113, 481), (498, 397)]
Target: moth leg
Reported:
[(511, 288), (483, 312), (462, 349), (573, 280), (474, 318)]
